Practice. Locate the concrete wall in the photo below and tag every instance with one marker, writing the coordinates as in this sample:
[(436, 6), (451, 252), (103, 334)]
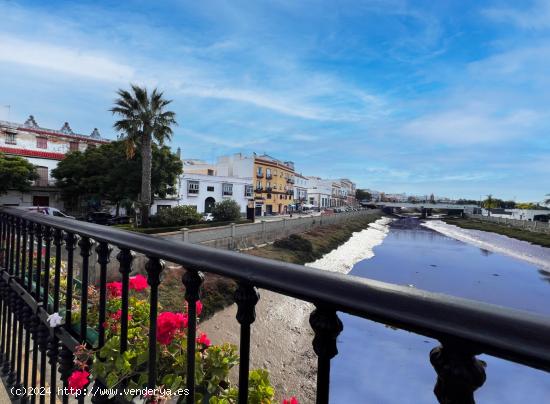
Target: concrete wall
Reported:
[(252, 234), (538, 227)]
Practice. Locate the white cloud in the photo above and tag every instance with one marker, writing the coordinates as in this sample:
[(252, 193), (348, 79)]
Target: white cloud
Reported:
[(536, 17), (71, 61), (471, 126)]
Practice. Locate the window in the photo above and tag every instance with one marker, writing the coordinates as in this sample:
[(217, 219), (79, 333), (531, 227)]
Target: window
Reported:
[(73, 146), (227, 189), (192, 187), (210, 172), (42, 142), (259, 171), (268, 185), (268, 196), (210, 188), (10, 138), (268, 173), (248, 191), (259, 184), (42, 180)]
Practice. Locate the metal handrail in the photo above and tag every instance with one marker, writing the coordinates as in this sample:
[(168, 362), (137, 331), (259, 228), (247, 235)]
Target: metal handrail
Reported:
[(503, 332)]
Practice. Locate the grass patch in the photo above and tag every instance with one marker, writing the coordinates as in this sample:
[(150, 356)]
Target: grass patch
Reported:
[(520, 234)]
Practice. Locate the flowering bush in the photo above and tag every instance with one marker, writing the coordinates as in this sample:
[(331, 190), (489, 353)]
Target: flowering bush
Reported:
[(129, 369)]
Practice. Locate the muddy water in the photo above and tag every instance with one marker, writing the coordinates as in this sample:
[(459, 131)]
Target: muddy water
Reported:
[(377, 364)]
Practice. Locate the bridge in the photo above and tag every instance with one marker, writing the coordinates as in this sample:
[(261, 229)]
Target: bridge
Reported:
[(425, 208)]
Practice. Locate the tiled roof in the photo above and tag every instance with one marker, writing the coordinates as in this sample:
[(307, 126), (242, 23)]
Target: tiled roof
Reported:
[(32, 153)]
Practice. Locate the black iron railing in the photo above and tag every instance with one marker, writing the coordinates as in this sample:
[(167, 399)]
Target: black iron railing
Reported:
[(464, 328)]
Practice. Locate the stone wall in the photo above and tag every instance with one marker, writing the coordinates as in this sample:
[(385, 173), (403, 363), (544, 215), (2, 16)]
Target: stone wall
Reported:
[(239, 236)]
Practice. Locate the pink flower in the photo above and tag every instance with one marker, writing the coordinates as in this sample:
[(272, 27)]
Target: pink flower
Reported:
[(78, 380), (138, 283), (118, 315), (292, 400), (114, 289), (203, 339), (168, 324), (199, 307)]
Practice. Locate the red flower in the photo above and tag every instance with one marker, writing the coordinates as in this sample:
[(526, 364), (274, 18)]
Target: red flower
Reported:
[(198, 306), (168, 324), (118, 315), (292, 400), (138, 283), (203, 339), (114, 289), (78, 380)]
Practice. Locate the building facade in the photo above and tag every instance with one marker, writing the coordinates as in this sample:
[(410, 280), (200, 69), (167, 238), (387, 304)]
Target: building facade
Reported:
[(43, 148), (300, 190), (319, 192), (274, 185), (202, 191)]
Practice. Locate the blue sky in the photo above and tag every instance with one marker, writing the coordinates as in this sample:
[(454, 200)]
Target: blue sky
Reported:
[(446, 97)]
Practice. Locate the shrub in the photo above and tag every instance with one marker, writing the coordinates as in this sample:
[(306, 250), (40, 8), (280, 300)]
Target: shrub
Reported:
[(176, 216), (226, 210), (295, 242)]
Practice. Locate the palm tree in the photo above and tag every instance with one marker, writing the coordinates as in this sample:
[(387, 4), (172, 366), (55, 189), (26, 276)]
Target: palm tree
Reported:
[(547, 200), (144, 119)]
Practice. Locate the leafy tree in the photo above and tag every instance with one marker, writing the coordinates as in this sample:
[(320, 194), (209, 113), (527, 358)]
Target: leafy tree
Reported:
[(176, 216), (16, 173), (362, 195), (144, 118), (104, 173), (226, 210)]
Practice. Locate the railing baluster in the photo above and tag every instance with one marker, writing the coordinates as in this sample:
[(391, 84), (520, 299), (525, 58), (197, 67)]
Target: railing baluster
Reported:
[(246, 297), (43, 331), (35, 325), (6, 368), (154, 269), (103, 257), (327, 326), (15, 300), (459, 372), (85, 245), (27, 323), (21, 314), (70, 245), (53, 344), (192, 280), (125, 258)]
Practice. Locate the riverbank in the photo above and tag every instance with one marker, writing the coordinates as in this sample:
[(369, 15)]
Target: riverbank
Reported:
[(218, 292), (519, 234), (281, 335)]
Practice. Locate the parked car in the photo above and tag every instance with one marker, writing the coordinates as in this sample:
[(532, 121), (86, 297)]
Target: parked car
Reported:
[(46, 210), (122, 219), (99, 218), (208, 217)]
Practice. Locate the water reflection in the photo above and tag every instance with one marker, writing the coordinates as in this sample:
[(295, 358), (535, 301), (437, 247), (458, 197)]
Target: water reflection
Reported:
[(378, 364)]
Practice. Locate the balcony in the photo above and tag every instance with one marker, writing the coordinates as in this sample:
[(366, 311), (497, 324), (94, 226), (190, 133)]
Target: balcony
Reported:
[(268, 189), (290, 181), (259, 175), (464, 328), (258, 189), (268, 176)]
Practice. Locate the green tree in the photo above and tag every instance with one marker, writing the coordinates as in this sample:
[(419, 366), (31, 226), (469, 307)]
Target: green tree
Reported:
[(144, 119), (362, 195), (16, 173), (226, 210), (104, 173), (176, 216)]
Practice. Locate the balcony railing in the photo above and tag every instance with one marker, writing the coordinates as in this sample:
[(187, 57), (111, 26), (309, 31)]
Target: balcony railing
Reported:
[(259, 175), (464, 328), (268, 176)]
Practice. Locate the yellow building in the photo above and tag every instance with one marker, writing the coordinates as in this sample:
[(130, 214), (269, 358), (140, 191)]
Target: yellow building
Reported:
[(273, 187)]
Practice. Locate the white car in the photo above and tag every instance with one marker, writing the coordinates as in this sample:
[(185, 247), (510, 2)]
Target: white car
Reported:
[(208, 217), (46, 210)]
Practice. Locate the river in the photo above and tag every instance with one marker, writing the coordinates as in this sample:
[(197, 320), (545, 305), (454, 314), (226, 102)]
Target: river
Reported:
[(377, 364)]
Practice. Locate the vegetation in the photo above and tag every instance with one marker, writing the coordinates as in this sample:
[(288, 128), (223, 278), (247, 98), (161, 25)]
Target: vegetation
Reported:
[(144, 119), (520, 234), (226, 210), (104, 173), (16, 173), (363, 195), (176, 216)]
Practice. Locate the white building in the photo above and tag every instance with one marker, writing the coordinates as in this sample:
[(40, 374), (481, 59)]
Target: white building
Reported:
[(44, 148), (202, 191), (319, 192), (300, 189)]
